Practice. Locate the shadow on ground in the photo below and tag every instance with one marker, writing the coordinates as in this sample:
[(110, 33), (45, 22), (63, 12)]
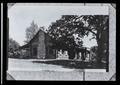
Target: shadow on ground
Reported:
[(74, 64)]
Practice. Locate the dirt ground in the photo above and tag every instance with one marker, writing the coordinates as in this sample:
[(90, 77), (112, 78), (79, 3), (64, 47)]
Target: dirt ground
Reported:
[(22, 69)]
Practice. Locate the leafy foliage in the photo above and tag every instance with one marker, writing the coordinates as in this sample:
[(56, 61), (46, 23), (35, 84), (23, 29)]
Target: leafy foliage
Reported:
[(64, 29), (13, 48), (13, 45), (63, 32)]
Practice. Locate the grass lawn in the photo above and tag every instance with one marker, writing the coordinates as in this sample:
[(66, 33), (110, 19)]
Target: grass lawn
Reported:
[(74, 64)]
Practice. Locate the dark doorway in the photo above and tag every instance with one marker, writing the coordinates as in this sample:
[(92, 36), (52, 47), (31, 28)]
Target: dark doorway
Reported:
[(35, 51)]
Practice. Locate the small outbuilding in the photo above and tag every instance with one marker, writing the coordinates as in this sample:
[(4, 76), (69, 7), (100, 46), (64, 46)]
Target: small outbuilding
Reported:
[(40, 46)]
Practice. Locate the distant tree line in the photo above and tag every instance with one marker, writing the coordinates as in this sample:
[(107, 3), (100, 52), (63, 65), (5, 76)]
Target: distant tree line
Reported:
[(13, 48)]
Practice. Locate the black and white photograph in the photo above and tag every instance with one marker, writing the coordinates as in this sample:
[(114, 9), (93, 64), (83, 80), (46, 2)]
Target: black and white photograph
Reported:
[(57, 41)]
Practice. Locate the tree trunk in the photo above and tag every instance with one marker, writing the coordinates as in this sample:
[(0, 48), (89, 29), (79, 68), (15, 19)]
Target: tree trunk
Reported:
[(100, 50), (99, 53)]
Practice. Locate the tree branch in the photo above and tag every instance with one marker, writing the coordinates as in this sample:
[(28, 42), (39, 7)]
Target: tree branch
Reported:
[(86, 28)]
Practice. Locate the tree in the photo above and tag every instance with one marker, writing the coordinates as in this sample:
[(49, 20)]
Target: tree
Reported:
[(63, 29), (12, 47), (63, 35), (31, 31), (98, 25)]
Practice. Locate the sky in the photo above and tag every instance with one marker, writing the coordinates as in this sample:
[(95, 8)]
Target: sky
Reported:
[(21, 16)]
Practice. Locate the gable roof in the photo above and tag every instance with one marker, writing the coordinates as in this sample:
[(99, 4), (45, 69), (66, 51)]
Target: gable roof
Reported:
[(36, 35), (27, 45)]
